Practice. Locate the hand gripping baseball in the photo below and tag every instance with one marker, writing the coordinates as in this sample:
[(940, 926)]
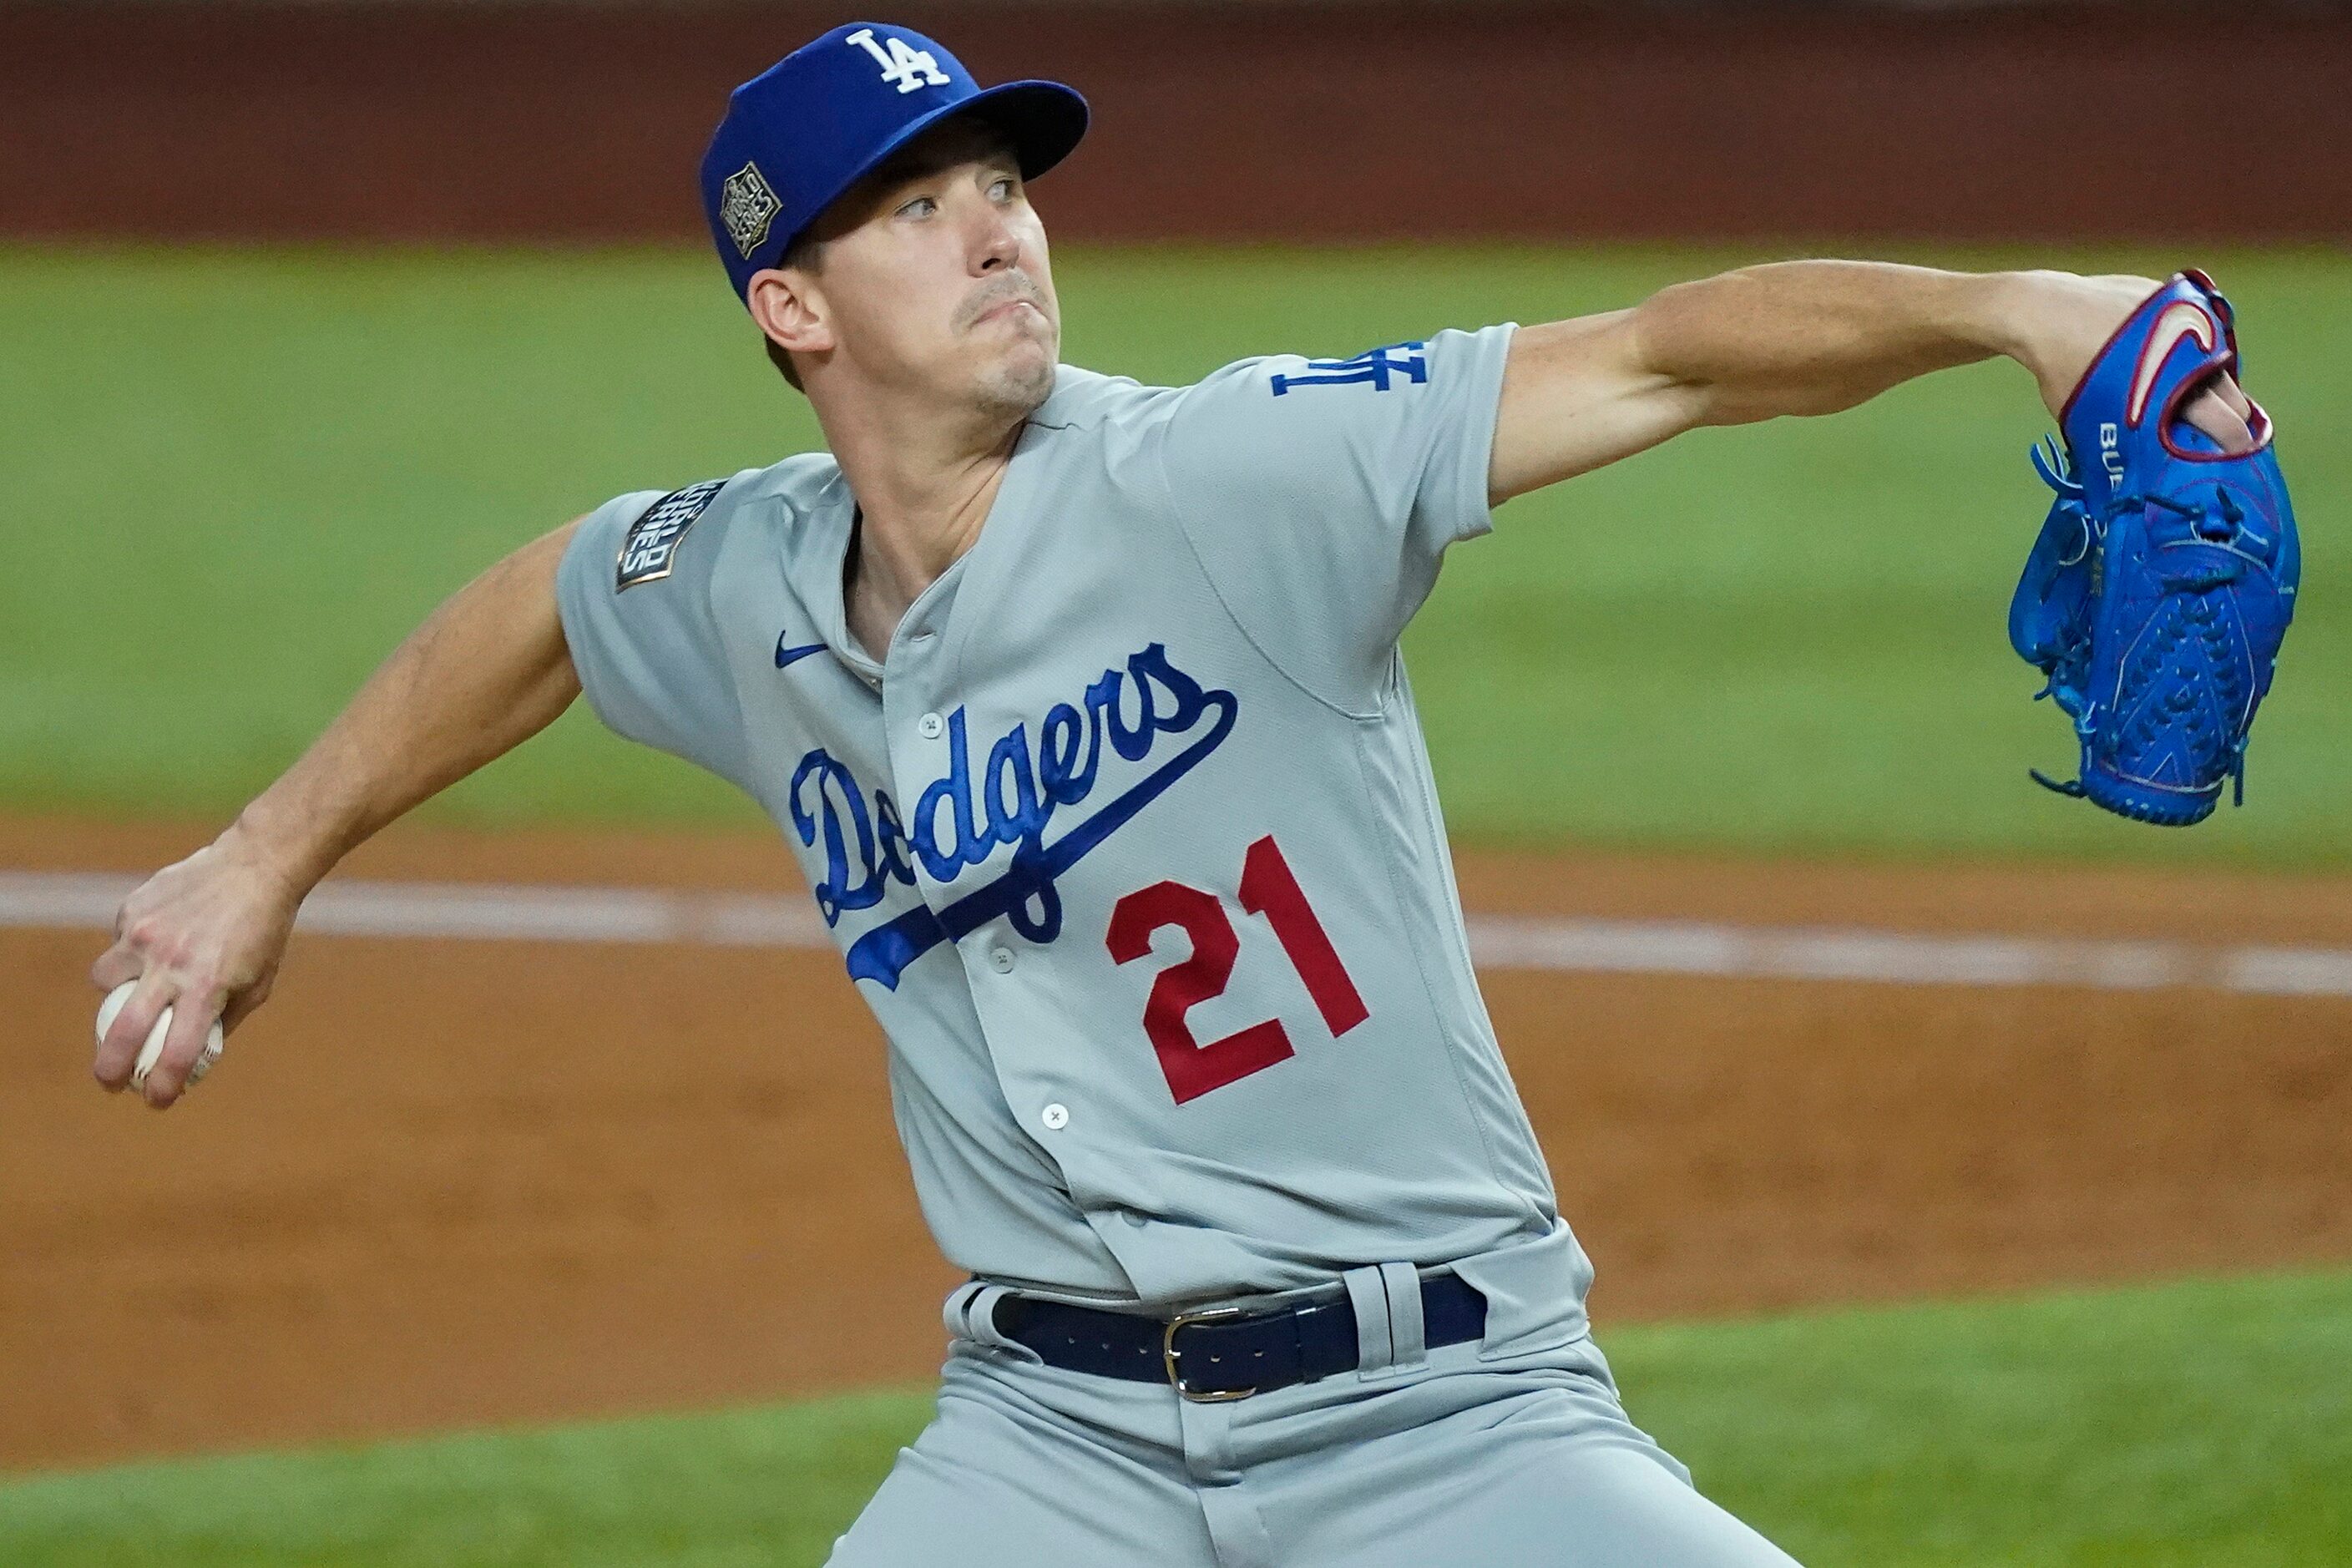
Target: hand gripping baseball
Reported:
[(203, 937)]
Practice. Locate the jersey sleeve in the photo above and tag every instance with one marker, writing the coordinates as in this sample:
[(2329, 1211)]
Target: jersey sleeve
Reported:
[(1320, 494), (643, 636)]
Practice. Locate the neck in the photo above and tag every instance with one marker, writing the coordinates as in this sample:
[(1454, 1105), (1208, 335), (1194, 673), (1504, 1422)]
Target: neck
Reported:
[(924, 482)]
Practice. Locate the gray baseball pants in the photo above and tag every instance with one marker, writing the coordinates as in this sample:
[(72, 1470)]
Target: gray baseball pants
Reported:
[(1443, 1459)]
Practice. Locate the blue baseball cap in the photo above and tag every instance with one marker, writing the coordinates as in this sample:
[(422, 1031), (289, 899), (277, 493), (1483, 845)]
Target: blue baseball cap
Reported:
[(806, 129)]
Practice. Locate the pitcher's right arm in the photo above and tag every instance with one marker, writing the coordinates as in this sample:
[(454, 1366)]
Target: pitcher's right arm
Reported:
[(488, 670)]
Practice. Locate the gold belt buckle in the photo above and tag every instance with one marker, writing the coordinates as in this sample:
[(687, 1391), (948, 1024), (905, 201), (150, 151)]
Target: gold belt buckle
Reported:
[(1175, 1373)]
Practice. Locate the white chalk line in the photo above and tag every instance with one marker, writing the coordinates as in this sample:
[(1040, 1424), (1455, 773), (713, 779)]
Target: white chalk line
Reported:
[(509, 912)]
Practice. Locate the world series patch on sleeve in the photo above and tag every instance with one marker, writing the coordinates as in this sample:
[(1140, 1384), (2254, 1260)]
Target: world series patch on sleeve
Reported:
[(2159, 591)]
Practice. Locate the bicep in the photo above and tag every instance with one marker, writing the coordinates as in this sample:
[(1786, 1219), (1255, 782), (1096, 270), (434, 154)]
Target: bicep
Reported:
[(506, 627), (501, 640), (538, 564), (1578, 395)]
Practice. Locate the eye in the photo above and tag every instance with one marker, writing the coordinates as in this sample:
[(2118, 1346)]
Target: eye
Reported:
[(1003, 189), (921, 206)]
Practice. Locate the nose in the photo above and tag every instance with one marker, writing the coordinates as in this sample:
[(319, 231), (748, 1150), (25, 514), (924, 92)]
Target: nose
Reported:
[(992, 244)]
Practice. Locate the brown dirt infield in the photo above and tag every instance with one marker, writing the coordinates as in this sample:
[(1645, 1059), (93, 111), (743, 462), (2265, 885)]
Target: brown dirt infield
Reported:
[(460, 1182)]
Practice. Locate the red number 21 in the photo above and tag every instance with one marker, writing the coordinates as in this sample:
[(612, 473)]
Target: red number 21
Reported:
[(1268, 889)]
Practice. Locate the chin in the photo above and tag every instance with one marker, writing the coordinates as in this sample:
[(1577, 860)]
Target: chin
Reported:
[(1020, 381)]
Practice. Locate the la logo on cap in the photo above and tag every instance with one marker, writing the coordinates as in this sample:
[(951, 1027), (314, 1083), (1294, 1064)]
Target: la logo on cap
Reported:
[(903, 67), (799, 135), (747, 207)]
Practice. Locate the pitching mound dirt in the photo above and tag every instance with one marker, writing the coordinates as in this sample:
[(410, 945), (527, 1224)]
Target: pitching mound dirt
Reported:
[(454, 1183)]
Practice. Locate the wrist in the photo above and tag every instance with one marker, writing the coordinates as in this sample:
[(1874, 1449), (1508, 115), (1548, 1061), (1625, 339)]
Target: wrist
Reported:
[(282, 843), (2056, 323), (2008, 313), (2034, 317)]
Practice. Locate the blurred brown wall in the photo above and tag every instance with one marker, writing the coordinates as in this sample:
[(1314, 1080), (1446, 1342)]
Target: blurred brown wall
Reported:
[(1293, 122)]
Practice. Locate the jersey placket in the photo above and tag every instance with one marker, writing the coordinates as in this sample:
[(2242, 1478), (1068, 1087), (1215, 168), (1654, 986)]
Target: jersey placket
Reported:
[(918, 709)]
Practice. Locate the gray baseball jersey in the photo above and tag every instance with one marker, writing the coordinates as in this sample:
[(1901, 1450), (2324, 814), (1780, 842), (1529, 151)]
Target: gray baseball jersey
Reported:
[(1130, 841)]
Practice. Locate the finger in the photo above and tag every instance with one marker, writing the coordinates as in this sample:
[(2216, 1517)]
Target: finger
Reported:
[(118, 1052), (241, 1006), (192, 1015), (115, 965), (2227, 389), (205, 1060), (2216, 418)]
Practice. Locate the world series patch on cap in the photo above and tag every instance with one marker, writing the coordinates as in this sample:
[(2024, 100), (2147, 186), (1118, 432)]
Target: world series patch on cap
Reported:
[(799, 134), (747, 208)]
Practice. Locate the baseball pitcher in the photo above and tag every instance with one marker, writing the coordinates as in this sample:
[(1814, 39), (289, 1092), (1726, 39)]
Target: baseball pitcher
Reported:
[(1080, 703)]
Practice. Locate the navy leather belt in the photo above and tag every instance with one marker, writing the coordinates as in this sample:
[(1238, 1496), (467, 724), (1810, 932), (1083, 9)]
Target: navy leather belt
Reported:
[(1227, 1353)]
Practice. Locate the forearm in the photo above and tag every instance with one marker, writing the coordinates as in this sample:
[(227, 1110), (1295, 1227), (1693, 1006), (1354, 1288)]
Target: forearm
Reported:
[(1815, 337), (485, 673), (1795, 337)]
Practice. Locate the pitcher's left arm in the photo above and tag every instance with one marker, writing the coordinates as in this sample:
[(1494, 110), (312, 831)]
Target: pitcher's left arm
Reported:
[(1796, 338)]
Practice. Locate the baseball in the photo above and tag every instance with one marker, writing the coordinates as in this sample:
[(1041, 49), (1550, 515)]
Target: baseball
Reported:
[(152, 1051)]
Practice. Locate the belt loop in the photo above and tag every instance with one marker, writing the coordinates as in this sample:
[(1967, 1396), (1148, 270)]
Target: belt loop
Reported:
[(1408, 1333), (971, 1314), (954, 1311), (1368, 1294)]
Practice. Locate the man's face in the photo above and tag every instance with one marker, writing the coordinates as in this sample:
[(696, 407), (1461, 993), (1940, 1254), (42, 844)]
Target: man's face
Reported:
[(934, 275)]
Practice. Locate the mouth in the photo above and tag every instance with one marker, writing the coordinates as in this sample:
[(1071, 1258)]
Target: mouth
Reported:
[(1005, 310)]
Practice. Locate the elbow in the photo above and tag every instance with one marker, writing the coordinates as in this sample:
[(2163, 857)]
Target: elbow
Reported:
[(1679, 336), (1681, 330), (1741, 347)]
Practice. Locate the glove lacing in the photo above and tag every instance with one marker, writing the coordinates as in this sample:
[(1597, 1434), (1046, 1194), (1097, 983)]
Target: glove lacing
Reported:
[(2074, 657), (2050, 461)]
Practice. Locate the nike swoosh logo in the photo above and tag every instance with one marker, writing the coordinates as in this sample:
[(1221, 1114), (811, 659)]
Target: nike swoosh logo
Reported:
[(2178, 320), (785, 655)]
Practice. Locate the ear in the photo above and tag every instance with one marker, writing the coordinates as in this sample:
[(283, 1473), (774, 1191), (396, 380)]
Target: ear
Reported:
[(790, 308)]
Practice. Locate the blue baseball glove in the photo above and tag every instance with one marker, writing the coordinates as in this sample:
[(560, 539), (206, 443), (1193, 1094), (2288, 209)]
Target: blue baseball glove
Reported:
[(2158, 594)]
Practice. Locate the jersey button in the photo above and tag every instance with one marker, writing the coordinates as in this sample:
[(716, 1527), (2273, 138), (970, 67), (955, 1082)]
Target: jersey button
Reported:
[(930, 726), (1000, 959), (1056, 1117)]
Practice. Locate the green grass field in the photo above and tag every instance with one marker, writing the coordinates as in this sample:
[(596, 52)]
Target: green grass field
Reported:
[(239, 479), (2190, 1424)]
